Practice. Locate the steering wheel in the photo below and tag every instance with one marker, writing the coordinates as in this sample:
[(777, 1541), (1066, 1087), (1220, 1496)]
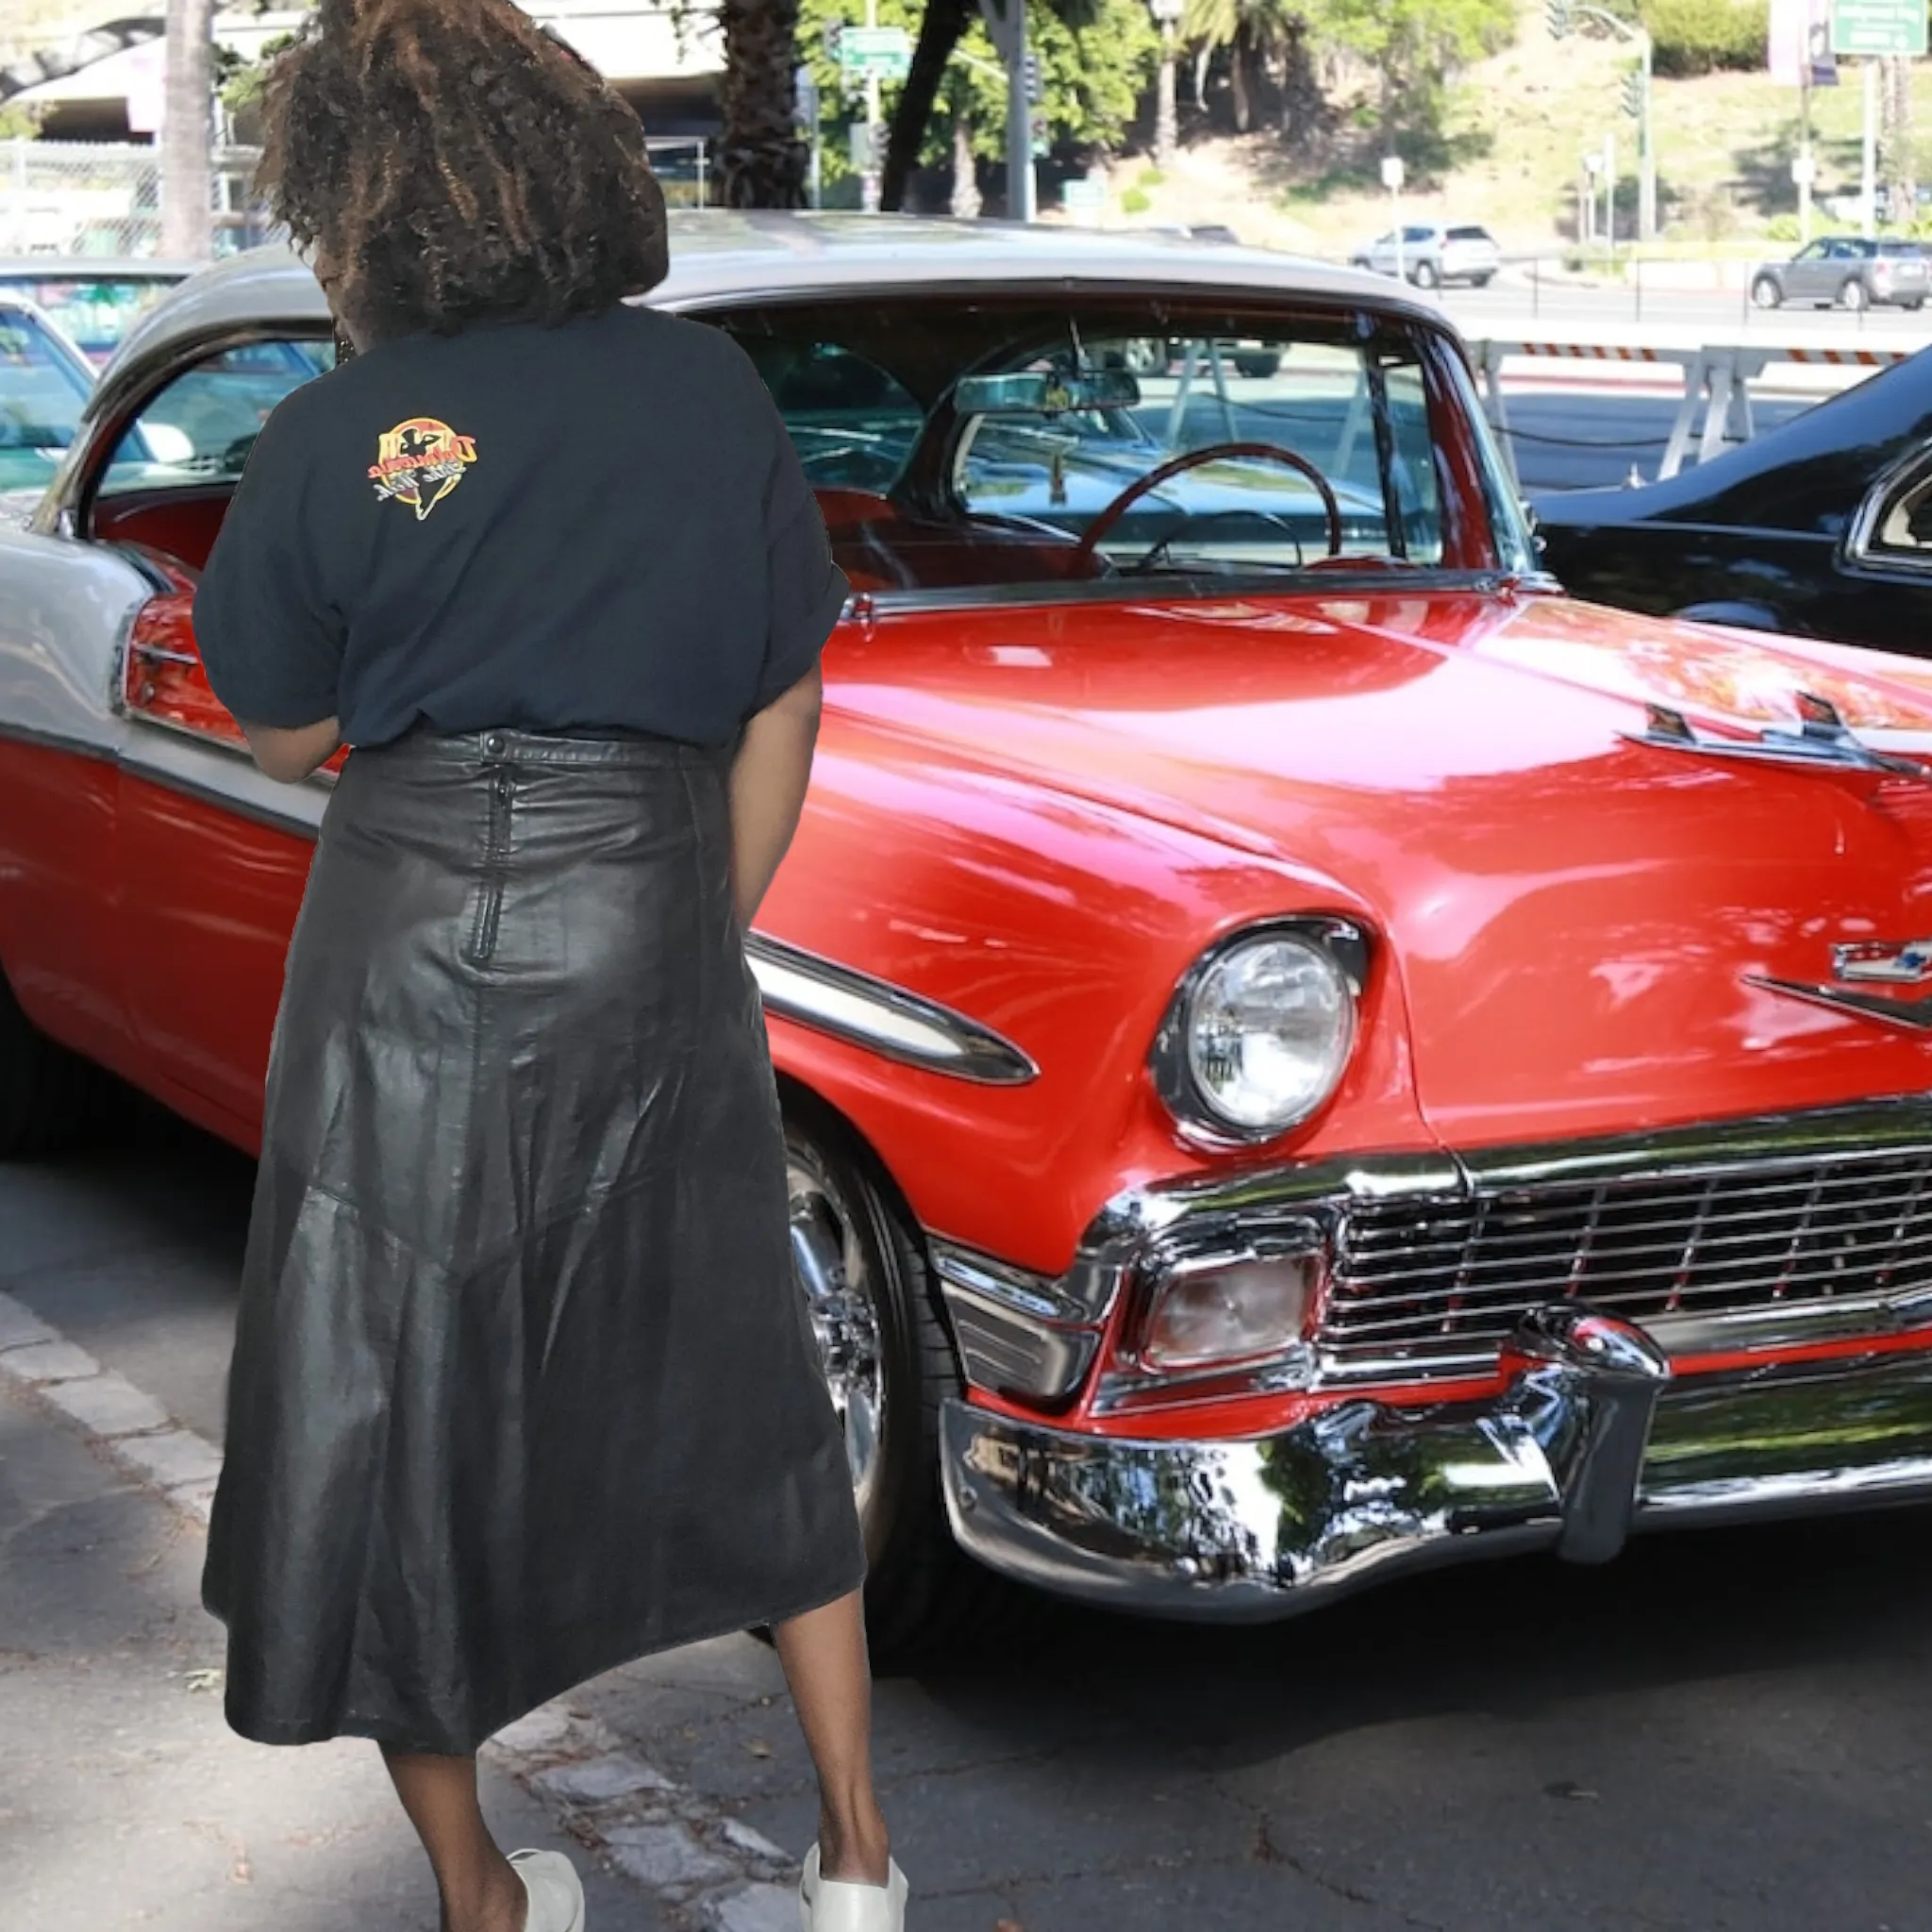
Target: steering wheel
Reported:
[(1082, 553)]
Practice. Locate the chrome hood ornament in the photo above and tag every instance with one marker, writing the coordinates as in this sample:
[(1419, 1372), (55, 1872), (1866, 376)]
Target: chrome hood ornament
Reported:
[(1822, 741), (1869, 962)]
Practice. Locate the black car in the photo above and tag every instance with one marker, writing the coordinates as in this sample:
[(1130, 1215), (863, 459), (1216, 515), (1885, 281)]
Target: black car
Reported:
[(1822, 527)]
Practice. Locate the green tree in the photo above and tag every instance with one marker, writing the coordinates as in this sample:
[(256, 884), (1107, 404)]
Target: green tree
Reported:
[(1095, 60), (1252, 32), (1415, 47)]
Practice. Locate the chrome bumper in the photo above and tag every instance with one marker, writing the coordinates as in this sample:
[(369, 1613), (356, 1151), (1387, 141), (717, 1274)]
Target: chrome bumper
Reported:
[(1591, 1438)]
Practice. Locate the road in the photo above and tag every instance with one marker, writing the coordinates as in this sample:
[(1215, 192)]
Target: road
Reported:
[(1508, 306), (1721, 1733)]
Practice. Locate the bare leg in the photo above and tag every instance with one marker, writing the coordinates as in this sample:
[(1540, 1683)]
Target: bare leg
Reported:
[(823, 1655), (480, 1892)]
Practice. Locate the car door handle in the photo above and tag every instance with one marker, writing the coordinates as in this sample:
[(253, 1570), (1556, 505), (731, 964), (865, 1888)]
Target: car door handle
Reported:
[(156, 654)]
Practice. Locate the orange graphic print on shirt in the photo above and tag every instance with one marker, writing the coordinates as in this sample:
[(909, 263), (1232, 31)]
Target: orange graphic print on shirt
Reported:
[(419, 462)]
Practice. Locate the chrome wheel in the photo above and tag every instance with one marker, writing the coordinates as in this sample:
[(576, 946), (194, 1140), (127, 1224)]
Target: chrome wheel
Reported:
[(833, 1270)]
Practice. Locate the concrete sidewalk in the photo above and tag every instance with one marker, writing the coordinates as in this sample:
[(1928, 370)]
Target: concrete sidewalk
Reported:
[(125, 1800)]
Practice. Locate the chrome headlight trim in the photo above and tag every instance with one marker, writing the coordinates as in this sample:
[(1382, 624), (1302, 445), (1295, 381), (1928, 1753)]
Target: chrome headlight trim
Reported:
[(1341, 943)]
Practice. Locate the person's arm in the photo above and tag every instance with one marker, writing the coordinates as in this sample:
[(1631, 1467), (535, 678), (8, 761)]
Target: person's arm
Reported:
[(289, 756), (769, 778)]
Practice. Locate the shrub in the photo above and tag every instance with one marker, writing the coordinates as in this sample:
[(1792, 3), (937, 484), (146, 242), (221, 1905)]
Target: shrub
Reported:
[(1151, 177), (1135, 203), (1694, 37)]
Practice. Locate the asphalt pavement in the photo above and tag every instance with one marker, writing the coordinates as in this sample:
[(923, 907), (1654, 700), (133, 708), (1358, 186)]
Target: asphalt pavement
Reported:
[(1720, 1732), (1517, 302)]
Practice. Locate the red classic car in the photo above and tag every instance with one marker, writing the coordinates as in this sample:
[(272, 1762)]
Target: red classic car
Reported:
[(1306, 1052)]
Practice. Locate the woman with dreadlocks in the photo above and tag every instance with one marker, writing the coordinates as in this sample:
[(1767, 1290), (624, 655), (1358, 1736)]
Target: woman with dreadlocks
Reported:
[(523, 1386)]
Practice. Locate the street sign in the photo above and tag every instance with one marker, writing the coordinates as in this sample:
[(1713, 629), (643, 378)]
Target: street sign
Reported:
[(1877, 28), (1086, 193), (1392, 172), (886, 50)]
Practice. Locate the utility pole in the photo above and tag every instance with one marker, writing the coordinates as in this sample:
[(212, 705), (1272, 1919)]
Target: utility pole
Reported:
[(869, 180), (1868, 171), (1564, 17), (1166, 16), (187, 186), (1005, 19)]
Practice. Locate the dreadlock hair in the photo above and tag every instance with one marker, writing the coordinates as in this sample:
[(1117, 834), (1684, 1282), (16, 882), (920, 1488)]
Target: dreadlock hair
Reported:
[(458, 165)]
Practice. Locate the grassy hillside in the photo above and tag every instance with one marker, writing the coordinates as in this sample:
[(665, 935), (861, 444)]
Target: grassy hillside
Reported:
[(1520, 125)]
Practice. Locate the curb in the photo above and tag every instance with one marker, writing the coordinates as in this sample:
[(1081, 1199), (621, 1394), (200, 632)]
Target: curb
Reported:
[(708, 1868)]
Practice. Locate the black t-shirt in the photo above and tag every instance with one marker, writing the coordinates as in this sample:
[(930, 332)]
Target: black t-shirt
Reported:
[(599, 526)]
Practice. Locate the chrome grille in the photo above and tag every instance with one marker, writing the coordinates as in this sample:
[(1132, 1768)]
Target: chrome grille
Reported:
[(1435, 1278)]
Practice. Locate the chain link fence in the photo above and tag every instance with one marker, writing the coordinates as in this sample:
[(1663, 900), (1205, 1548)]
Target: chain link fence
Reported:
[(101, 199)]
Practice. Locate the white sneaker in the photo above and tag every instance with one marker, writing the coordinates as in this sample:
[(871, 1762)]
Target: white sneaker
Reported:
[(557, 1893), (838, 1905)]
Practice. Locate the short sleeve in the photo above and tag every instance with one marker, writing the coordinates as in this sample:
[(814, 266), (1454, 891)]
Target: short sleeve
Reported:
[(805, 590), (271, 640)]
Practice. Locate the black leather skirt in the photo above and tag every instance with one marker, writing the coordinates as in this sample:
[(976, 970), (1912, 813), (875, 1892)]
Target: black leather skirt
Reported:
[(523, 1385)]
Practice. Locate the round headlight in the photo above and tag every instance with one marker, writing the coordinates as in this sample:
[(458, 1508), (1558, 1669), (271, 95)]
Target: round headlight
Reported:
[(1264, 1031)]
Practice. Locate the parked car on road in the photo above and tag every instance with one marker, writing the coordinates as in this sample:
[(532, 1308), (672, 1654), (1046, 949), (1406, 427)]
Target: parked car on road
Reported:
[(1305, 1054), (1435, 255), (94, 303), (1822, 527), (1846, 272)]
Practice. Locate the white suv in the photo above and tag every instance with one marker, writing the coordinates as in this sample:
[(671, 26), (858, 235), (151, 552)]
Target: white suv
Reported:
[(1432, 255)]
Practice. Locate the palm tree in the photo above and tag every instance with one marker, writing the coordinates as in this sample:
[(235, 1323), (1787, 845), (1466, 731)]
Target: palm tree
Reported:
[(1251, 30), (188, 133), (761, 161)]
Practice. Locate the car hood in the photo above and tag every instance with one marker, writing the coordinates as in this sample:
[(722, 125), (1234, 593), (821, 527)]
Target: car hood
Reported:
[(1591, 932)]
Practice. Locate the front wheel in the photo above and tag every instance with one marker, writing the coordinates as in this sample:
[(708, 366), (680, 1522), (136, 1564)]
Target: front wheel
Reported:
[(890, 1365), (49, 1098), (1854, 296), (1765, 292)]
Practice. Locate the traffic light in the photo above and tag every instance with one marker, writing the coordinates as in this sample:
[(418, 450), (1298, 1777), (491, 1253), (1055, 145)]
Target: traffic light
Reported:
[(1558, 11), (1633, 93), (1029, 69)]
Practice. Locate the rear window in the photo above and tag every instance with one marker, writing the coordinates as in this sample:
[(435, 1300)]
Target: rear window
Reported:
[(1900, 248), (1469, 235)]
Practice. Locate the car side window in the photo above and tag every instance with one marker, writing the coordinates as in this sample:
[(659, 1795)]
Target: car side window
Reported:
[(200, 426), (42, 391), (1812, 251), (1901, 525), (851, 421)]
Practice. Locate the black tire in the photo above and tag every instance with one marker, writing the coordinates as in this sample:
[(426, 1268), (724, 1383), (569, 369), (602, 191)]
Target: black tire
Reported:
[(1480, 281), (1854, 296), (1259, 363), (924, 1598), (1425, 275), (1912, 304), (50, 1099), (1767, 293)]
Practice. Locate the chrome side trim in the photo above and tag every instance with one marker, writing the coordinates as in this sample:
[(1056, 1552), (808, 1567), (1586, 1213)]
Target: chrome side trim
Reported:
[(1590, 1440), (1017, 1335), (873, 1013)]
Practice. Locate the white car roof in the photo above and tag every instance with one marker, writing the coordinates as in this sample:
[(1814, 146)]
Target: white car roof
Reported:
[(761, 254)]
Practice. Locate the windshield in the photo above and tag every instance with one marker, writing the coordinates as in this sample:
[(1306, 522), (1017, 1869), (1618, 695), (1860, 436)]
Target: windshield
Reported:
[(980, 443), (42, 391)]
